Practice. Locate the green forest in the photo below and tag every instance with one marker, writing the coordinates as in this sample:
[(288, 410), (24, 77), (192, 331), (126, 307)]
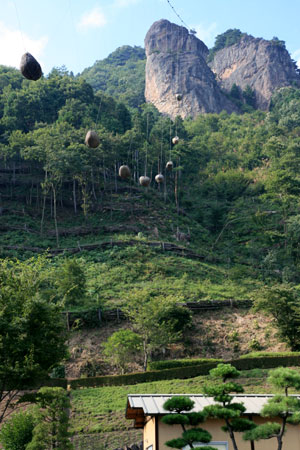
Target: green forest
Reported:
[(75, 236)]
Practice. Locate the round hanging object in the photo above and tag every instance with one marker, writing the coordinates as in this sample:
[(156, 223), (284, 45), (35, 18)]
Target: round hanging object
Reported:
[(175, 140), (30, 68), (179, 97), (159, 178), (91, 139), (169, 165), (144, 181), (124, 172)]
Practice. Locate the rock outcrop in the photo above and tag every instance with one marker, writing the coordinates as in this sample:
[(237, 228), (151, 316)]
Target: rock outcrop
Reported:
[(176, 63), (263, 65)]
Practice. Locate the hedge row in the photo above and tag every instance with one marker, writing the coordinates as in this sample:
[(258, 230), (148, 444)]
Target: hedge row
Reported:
[(171, 363), (51, 382), (190, 371), (269, 354), (265, 362), (143, 377)]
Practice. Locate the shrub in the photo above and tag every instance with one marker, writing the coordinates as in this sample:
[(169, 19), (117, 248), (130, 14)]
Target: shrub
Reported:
[(58, 372), (121, 348), (16, 433), (179, 318)]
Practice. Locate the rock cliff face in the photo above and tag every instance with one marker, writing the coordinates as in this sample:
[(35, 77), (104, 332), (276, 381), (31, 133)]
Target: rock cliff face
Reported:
[(176, 63), (263, 65)]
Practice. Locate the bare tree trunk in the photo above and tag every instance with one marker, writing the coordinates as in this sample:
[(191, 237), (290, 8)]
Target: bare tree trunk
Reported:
[(43, 214), (116, 180), (231, 434), (54, 215), (93, 185), (145, 355), (280, 436), (44, 203), (74, 196)]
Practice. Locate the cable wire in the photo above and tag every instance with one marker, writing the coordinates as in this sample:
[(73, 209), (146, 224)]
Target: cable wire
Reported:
[(181, 20)]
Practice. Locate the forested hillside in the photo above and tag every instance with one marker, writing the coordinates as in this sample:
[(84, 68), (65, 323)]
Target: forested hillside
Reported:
[(121, 75), (224, 223), (233, 192)]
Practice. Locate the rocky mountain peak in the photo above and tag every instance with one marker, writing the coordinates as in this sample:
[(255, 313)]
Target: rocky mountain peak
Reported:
[(164, 36), (176, 63), (263, 65)]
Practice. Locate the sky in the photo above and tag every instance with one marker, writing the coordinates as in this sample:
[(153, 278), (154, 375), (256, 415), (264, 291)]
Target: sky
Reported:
[(76, 33)]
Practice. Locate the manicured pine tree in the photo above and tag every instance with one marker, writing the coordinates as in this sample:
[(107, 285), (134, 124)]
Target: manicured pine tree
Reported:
[(221, 389), (283, 406), (180, 414)]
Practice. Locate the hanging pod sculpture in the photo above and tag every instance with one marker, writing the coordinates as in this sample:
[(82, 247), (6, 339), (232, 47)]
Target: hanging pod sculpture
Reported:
[(91, 139), (30, 68), (169, 165), (159, 178), (124, 172), (175, 140), (144, 181)]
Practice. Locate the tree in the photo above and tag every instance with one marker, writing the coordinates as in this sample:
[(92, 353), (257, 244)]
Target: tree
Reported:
[(121, 348), (32, 332), (52, 420), (71, 282), (145, 314), (282, 302), (16, 432), (283, 406), (221, 389), (249, 96), (180, 408)]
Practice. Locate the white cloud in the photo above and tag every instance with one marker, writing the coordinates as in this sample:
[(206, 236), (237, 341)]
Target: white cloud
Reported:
[(206, 33), (296, 57), (13, 44), (92, 19)]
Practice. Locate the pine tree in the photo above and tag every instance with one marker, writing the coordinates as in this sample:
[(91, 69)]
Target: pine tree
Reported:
[(283, 406), (180, 408), (221, 389)]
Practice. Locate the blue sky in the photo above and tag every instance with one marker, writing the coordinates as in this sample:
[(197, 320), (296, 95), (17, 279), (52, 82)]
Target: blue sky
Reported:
[(76, 33)]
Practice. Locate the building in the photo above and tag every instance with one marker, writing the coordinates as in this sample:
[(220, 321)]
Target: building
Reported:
[(147, 411)]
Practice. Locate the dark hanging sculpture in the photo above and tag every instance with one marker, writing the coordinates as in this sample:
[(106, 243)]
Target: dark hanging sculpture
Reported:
[(91, 139), (124, 172), (178, 97), (30, 68), (159, 178), (144, 181), (169, 165), (175, 140)]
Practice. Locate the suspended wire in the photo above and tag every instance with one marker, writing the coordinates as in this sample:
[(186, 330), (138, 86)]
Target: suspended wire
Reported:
[(170, 149), (147, 134), (20, 28), (161, 148), (181, 20)]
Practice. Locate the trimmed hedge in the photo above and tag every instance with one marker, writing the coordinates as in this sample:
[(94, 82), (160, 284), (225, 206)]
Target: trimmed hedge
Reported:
[(170, 364), (50, 382), (263, 361), (269, 354), (144, 377)]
